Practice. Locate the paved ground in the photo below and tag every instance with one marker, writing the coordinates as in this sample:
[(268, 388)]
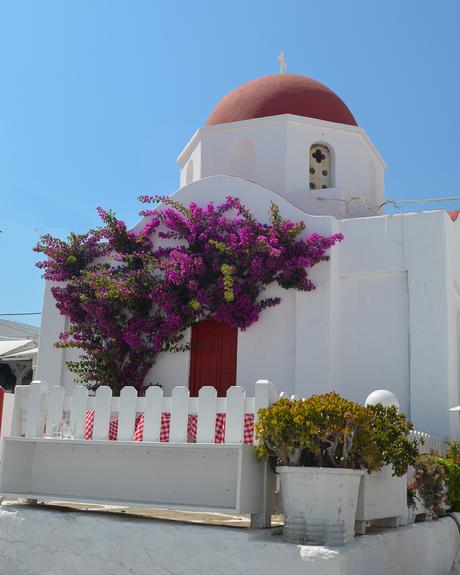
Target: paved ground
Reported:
[(215, 519)]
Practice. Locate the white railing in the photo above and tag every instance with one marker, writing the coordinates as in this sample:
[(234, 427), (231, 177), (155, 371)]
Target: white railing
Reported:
[(6, 417), (41, 411), (160, 451), (177, 451), (428, 443)]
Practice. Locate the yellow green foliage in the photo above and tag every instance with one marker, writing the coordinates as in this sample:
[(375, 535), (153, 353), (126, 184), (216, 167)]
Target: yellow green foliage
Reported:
[(330, 431)]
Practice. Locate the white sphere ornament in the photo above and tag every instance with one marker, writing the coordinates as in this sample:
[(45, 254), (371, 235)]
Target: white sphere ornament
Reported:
[(383, 396)]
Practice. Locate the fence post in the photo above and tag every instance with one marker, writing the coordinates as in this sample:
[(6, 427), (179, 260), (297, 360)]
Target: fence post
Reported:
[(265, 394), (2, 394), (36, 409), (179, 415), (102, 410)]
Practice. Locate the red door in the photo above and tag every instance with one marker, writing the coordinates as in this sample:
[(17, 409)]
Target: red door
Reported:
[(213, 356)]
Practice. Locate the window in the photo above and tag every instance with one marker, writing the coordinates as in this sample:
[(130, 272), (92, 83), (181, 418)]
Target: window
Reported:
[(320, 167)]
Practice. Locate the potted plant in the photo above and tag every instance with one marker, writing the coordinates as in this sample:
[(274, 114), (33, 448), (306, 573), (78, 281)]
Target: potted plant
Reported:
[(430, 481), (412, 500), (311, 442), (383, 490), (451, 463)]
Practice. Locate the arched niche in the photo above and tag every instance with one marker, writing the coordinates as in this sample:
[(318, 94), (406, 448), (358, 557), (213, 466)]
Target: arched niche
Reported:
[(320, 167), (241, 159)]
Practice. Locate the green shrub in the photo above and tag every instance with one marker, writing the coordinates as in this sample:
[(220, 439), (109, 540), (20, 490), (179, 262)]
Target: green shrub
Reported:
[(318, 431), (453, 483), (430, 481), (412, 497), (451, 463), (453, 451), (389, 435), (330, 431)]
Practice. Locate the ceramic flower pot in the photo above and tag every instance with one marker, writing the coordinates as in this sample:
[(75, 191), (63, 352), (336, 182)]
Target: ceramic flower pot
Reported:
[(321, 494), (382, 496)]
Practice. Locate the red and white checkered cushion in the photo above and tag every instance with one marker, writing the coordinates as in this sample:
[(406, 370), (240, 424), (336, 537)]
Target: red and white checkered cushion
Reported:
[(248, 437)]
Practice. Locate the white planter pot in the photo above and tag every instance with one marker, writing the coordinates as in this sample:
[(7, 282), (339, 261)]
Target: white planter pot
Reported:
[(420, 506), (321, 493), (382, 496), (408, 518)]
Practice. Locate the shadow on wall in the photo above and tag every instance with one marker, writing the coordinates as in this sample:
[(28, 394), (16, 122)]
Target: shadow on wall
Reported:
[(241, 159)]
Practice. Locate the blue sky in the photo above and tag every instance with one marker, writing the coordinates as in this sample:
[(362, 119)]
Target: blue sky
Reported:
[(98, 97)]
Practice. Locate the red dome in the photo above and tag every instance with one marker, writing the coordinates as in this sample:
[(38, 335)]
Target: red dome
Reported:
[(281, 94)]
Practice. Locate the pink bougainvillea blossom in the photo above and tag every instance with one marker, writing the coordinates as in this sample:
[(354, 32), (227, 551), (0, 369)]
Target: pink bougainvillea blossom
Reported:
[(130, 296)]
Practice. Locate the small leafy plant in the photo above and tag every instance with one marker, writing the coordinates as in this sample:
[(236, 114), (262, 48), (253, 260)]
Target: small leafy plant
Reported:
[(430, 482), (318, 431), (389, 435), (412, 496), (453, 451), (451, 462), (330, 431)]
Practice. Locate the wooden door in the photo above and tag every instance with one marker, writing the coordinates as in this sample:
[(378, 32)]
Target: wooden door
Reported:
[(213, 356)]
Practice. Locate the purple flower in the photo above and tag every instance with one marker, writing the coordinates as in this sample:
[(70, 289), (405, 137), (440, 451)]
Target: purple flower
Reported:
[(128, 298)]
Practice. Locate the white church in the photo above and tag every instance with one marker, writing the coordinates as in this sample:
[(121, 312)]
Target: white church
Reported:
[(386, 311)]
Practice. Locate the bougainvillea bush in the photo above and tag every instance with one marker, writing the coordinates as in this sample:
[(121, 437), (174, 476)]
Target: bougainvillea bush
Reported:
[(131, 295)]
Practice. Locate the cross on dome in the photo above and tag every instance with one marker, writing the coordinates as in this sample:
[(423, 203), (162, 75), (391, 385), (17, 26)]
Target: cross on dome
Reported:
[(282, 62)]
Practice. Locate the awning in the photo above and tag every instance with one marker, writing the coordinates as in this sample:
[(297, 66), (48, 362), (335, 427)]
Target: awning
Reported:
[(26, 354), (12, 346)]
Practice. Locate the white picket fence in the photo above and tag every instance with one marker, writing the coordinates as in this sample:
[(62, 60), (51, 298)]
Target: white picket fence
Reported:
[(6, 417), (428, 443), (39, 409), (176, 473), (155, 468)]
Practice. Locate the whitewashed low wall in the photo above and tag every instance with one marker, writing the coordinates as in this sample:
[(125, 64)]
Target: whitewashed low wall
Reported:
[(7, 418), (175, 473), (33, 540)]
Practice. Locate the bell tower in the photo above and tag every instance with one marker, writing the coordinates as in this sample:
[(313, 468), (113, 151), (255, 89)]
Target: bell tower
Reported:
[(293, 136)]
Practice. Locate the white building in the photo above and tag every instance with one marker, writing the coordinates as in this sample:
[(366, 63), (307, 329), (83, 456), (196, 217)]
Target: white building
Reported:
[(18, 353), (386, 312)]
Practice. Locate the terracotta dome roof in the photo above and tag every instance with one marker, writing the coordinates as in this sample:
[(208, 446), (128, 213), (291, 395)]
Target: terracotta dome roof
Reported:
[(281, 94)]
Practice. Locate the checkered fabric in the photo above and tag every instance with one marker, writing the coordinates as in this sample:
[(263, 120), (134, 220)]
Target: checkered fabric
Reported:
[(113, 429), (248, 436), (139, 429), (89, 422)]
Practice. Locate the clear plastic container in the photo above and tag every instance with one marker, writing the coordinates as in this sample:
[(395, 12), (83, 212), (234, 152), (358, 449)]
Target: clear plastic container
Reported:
[(315, 531), (335, 534), (294, 529)]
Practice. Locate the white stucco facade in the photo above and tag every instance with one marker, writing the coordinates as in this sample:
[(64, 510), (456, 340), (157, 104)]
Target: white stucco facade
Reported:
[(79, 543), (386, 312), (273, 152)]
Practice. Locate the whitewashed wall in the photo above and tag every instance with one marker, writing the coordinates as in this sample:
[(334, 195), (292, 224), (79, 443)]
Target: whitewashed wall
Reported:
[(7, 418), (275, 154), (80, 543), (384, 314), (374, 336)]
